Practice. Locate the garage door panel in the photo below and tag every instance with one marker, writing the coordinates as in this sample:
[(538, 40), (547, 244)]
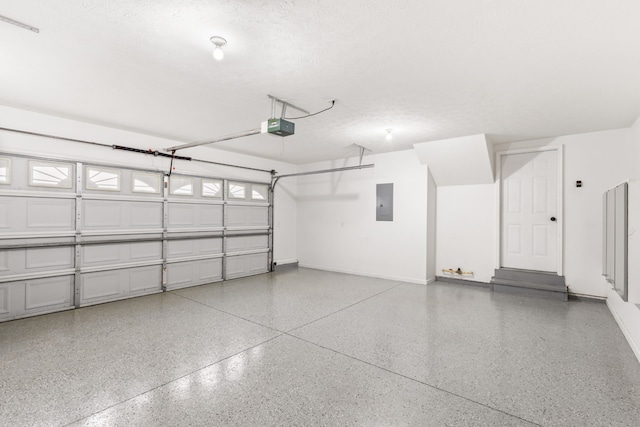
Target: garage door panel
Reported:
[(210, 269), (211, 215), (180, 248), (5, 297), (5, 214), (247, 243), (118, 253), (110, 285), (101, 214), (143, 251), (210, 246), (180, 273), (36, 296), (34, 260), (100, 286), (194, 247), (145, 214), (246, 265), (117, 215), (259, 216), (25, 214), (181, 215), (51, 214), (248, 216), (145, 278), (12, 261), (191, 273), (191, 215), (52, 292), (49, 258), (12, 295), (4, 262), (100, 255)]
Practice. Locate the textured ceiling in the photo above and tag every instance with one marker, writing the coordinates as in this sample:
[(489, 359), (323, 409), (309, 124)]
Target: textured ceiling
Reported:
[(429, 69)]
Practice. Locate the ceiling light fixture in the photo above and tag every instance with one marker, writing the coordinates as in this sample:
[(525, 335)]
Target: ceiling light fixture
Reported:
[(389, 136), (218, 42)]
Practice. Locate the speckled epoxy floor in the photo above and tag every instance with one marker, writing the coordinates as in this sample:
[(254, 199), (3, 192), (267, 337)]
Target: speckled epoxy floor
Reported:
[(305, 347)]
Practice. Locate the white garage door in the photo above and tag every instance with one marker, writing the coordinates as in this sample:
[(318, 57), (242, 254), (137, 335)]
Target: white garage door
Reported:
[(74, 234)]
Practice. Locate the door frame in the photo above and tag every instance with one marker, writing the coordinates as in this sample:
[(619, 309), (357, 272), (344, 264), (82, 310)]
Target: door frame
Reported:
[(560, 199)]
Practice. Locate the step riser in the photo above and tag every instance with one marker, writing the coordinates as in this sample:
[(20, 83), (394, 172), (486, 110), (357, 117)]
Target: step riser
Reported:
[(529, 285), (560, 296)]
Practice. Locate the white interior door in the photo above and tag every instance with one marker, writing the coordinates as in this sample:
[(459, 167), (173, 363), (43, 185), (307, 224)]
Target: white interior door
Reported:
[(529, 211)]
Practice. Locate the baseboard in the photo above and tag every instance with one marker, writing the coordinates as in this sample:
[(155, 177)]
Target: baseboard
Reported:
[(281, 266), (285, 261), (463, 281), (365, 274), (430, 281), (632, 338)]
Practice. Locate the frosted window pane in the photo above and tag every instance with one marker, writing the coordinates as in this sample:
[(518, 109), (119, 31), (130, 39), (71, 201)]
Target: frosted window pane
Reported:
[(237, 190), (181, 186), (5, 171), (146, 182), (258, 192), (211, 188), (103, 179), (50, 175)]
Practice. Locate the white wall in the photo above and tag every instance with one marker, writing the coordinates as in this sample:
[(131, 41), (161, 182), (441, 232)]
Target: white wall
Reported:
[(467, 214), (458, 161), (285, 200), (466, 218), (337, 227)]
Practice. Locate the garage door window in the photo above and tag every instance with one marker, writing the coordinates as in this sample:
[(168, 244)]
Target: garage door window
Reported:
[(237, 190), (181, 186), (211, 188), (50, 175), (102, 179), (259, 192), (5, 171), (149, 183)]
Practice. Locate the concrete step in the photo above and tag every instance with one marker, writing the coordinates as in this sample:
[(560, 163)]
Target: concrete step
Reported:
[(531, 283), (529, 276)]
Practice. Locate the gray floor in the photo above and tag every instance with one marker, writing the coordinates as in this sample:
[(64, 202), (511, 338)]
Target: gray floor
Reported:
[(305, 347)]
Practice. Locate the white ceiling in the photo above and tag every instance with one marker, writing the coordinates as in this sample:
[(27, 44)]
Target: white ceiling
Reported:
[(429, 69)]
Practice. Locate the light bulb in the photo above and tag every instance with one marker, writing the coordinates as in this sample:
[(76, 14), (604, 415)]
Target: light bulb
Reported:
[(218, 42), (389, 136), (218, 53)]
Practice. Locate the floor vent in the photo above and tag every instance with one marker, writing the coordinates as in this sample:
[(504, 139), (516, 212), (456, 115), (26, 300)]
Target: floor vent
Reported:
[(533, 283)]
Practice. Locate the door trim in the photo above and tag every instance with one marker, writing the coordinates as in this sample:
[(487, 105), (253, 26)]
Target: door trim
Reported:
[(560, 205)]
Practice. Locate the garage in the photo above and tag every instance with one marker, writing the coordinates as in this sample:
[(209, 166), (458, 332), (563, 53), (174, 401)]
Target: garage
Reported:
[(335, 213)]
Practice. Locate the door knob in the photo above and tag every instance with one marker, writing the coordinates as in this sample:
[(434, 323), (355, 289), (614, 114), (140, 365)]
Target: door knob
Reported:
[(553, 218)]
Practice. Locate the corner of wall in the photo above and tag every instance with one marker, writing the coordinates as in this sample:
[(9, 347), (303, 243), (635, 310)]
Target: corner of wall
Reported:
[(628, 318), (432, 226), (635, 141), (492, 156)]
